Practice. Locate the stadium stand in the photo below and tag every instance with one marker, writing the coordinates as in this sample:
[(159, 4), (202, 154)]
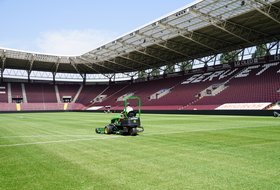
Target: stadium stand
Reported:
[(3, 93), (67, 92), (111, 94), (189, 90), (253, 84), (256, 83), (40, 93), (41, 106), (16, 90), (89, 92), (8, 107)]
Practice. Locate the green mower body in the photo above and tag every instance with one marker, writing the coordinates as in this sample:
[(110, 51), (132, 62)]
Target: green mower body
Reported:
[(130, 125)]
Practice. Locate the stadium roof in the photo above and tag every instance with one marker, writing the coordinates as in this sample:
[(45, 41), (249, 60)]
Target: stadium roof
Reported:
[(202, 28)]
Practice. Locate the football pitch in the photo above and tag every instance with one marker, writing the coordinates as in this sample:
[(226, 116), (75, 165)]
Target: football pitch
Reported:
[(62, 151)]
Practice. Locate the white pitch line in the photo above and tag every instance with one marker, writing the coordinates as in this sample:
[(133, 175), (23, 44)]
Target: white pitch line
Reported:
[(8, 137), (201, 130), (109, 137)]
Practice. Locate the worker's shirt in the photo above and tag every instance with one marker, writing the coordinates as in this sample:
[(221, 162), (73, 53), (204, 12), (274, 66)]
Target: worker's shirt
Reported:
[(128, 109)]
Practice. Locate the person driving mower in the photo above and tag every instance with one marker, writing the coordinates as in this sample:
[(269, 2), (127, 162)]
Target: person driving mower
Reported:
[(126, 110)]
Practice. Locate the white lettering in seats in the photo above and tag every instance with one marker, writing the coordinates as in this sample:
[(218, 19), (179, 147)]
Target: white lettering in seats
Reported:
[(200, 78), (266, 66), (215, 74), (246, 71), (191, 79), (227, 73)]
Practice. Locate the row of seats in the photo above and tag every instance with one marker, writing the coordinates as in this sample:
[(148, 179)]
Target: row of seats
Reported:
[(40, 106)]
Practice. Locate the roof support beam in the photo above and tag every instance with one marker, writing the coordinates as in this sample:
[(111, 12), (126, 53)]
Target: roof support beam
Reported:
[(115, 62), (121, 65), (99, 63), (82, 74), (195, 37), (55, 66), (155, 57), (137, 49), (126, 56), (75, 65), (1, 76), (3, 59), (162, 43), (29, 67), (88, 64), (268, 10), (144, 51), (133, 60), (245, 34), (30, 63)]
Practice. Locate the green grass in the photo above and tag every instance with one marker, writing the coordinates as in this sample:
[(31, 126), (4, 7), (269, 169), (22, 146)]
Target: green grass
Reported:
[(62, 151)]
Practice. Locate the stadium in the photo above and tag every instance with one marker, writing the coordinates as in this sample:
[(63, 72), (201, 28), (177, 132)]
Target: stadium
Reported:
[(208, 79), (200, 57)]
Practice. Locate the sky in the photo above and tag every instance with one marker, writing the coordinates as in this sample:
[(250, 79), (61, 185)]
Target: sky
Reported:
[(74, 27)]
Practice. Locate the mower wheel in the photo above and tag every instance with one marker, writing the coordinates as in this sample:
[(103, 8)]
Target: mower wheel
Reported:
[(133, 131), (108, 129)]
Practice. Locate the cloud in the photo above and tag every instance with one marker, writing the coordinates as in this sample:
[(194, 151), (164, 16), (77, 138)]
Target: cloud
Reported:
[(73, 42)]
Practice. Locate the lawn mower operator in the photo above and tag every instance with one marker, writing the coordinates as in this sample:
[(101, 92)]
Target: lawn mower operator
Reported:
[(127, 110)]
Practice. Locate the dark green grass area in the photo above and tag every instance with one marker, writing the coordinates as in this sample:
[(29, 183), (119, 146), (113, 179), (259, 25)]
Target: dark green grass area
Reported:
[(62, 151)]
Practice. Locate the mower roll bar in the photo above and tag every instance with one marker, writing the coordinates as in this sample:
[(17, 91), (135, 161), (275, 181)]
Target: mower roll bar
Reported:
[(139, 106)]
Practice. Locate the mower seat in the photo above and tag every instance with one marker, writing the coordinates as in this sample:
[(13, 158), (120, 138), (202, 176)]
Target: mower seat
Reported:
[(131, 114)]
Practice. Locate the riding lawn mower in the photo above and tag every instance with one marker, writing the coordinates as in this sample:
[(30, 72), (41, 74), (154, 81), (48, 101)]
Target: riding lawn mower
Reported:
[(130, 125)]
